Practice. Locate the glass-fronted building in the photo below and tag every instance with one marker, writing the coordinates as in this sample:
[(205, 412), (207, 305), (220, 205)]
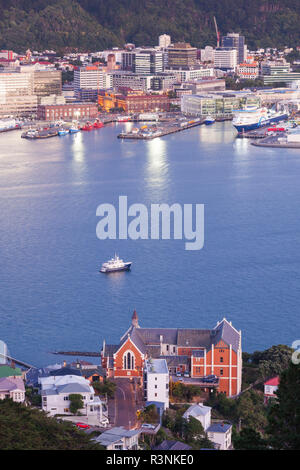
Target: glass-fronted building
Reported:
[(217, 104)]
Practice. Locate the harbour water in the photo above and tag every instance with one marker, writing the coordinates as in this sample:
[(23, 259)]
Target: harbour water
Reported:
[(52, 295)]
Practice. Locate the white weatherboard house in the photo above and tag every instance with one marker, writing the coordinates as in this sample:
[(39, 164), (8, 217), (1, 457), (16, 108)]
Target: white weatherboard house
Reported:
[(220, 434), (55, 392), (156, 381), (119, 438), (201, 413)]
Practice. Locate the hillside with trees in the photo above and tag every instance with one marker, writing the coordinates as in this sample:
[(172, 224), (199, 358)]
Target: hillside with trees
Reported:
[(98, 24), (26, 428)]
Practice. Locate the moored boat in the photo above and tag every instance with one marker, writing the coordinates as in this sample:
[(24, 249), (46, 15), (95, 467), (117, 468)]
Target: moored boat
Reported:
[(115, 264), (209, 120), (88, 126), (98, 124), (63, 131)]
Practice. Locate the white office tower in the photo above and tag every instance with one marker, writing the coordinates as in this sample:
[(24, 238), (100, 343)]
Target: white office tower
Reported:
[(225, 58), (208, 54), (164, 40), (88, 81)]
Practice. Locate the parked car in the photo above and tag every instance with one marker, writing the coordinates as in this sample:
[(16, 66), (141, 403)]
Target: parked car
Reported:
[(186, 374), (104, 422), (178, 374), (148, 426), (210, 379), (82, 425)]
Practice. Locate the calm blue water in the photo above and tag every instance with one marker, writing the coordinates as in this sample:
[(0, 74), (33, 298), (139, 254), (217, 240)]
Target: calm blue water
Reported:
[(51, 294)]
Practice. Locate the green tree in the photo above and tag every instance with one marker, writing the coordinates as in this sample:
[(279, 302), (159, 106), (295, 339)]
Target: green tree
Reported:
[(192, 428), (76, 402), (26, 428), (150, 415), (251, 410), (249, 439), (284, 414), (272, 361), (105, 388)]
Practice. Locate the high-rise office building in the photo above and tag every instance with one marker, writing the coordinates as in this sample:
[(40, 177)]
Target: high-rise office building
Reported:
[(16, 94), (237, 42), (181, 56), (147, 62), (47, 82), (88, 81)]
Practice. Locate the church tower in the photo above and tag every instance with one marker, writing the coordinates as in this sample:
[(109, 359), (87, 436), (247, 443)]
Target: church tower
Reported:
[(135, 319)]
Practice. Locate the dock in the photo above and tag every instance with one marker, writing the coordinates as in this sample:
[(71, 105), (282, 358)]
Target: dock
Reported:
[(274, 142), (160, 131), (259, 133)]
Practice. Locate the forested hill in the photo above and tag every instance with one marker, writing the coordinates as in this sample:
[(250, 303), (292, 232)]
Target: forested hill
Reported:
[(98, 24)]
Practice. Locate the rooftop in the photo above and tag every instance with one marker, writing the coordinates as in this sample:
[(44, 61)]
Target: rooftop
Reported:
[(197, 410), (274, 381), (116, 434), (156, 366), (219, 427)]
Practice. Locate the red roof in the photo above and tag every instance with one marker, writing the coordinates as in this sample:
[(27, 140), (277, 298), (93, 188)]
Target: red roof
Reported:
[(274, 381)]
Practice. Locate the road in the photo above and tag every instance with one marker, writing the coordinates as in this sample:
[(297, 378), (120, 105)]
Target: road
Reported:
[(125, 407)]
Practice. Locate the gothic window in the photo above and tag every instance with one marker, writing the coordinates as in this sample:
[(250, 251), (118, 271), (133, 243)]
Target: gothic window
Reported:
[(128, 361)]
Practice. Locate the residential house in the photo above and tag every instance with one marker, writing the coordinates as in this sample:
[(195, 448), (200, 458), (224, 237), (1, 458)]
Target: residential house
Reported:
[(119, 438), (9, 371), (172, 445), (201, 413), (13, 388), (220, 435), (270, 388), (56, 391)]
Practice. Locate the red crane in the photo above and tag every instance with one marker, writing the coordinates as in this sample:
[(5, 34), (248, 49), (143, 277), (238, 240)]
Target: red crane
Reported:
[(217, 32)]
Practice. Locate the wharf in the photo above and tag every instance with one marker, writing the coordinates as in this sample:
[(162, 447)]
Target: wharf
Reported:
[(255, 134), (160, 132), (274, 142)]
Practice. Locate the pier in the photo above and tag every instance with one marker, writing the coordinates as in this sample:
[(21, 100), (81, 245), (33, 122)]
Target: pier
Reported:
[(154, 132)]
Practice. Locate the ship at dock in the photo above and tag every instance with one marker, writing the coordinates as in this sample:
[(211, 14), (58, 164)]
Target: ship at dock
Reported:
[(40, 133), (9, 125), (253, 118), (115, 264)]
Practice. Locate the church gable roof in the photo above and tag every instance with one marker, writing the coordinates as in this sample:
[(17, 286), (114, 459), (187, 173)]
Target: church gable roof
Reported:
[(224, 331), (194, 338), (153, 335)]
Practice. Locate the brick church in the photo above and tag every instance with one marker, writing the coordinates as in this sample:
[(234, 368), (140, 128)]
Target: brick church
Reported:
[(198, 352)]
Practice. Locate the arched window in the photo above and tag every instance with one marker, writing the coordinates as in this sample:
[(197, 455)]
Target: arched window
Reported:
[(128, 360)]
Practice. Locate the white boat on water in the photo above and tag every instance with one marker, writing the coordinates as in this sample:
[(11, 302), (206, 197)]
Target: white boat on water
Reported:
[(209, 120), (115, 264), (8, 125)]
